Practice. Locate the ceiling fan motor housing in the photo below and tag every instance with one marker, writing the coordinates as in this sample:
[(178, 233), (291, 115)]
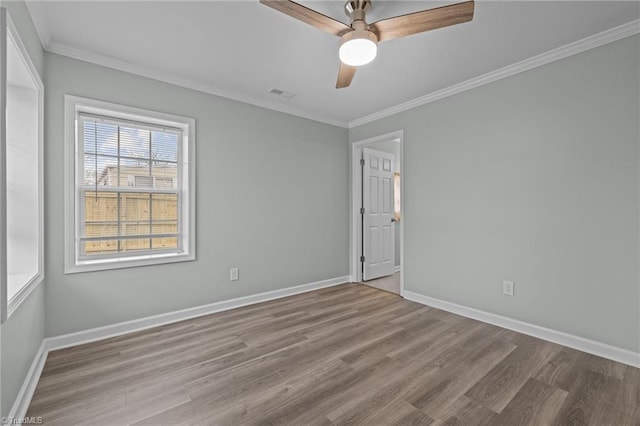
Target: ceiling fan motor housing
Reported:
[(359, 31), (356, 9)]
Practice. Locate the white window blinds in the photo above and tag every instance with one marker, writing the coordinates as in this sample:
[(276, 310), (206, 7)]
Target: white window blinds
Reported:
[(128, 182)]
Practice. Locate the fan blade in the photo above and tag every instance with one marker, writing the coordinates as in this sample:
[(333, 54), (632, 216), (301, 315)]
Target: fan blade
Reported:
[(308, 16), (345, 75), (419, 22)]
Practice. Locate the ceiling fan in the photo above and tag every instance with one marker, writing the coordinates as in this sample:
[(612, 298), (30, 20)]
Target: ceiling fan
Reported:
[(358, 41)]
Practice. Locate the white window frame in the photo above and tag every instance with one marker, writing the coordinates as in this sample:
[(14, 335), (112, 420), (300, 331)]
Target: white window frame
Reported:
[(8, 32), (74, 262)]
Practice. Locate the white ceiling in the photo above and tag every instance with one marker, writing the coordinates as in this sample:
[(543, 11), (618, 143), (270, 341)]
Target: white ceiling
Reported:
[(243, 49)]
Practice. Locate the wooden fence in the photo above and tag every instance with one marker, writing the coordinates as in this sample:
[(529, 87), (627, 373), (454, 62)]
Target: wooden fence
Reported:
[(127, 214)]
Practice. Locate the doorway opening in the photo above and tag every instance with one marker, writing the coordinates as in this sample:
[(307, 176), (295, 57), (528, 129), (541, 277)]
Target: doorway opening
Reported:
[(377, 226)]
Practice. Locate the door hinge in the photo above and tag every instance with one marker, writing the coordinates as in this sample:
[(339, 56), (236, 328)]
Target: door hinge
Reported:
[(362, 161), (362, 259), (361, 210)]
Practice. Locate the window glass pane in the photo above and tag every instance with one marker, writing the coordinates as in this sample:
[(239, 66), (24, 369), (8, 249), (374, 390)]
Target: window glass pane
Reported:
[(165, 175), (142, 244), (135, 228), (135, 173), (92, 248), (396, 196), (165, 207), (164, 146), (164, 227), (134, 142), (164, 220), (100, 138), (135, 207), (164, 243), (100, 168), (89, 136), (101, 214), (135, 218)]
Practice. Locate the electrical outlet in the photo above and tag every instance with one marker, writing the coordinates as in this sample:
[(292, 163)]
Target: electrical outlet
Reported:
[(507, 287), (234, 274)]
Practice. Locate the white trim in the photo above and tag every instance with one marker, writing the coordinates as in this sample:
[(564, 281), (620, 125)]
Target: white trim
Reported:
[(638, 236), (562, 52), (23, 399), (3, 165), (23, 293), (109, 62), (354, 211), (576, 342), (15, 301), (37, 15), (25, 394), (608, 36), (75, 105), (126, 262), (99, 333), (397, 269)]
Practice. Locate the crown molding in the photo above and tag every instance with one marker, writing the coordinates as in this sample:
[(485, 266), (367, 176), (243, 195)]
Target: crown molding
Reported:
[(39, 19), (131, 68), (608, 36), (596, 40)]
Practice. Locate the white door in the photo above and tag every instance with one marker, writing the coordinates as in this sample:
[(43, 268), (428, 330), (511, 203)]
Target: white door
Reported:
[(378, 241)]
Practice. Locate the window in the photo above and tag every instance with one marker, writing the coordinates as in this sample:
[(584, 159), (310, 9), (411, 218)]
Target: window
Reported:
[(21, 178), (130, 186), (396, 197)]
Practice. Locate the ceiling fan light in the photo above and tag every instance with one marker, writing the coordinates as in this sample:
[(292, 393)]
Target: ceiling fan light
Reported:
[(358, 48)]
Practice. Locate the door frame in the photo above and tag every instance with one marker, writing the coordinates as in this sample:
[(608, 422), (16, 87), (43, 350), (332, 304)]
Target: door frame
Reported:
[(355, 237)]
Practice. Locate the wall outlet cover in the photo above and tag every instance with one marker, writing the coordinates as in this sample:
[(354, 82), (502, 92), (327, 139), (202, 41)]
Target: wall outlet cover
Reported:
[(234, 274), (507, 287)]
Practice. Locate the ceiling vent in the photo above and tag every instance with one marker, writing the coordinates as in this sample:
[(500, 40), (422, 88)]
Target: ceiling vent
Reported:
[(281, 93)]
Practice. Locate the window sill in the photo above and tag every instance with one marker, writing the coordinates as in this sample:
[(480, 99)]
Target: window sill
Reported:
[(129, 262), (23, 294)]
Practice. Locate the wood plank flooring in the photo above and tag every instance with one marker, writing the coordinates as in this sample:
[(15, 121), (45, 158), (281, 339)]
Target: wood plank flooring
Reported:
[(348, 354), (389, 283)]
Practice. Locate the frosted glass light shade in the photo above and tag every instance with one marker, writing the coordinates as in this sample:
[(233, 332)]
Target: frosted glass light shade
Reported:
[(358, 51)]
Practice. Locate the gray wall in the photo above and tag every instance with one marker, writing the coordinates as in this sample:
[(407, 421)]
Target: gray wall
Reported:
[(272, 200), (534, 179), (23, 332), (22, 336)]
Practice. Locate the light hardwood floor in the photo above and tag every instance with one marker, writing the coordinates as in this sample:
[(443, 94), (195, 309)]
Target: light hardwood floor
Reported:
[(344, 355), (389, 283)]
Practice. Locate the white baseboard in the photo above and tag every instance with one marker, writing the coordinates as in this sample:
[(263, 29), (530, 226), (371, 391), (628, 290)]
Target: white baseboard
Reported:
[(21, 404), (105, 332), (580, 343)]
